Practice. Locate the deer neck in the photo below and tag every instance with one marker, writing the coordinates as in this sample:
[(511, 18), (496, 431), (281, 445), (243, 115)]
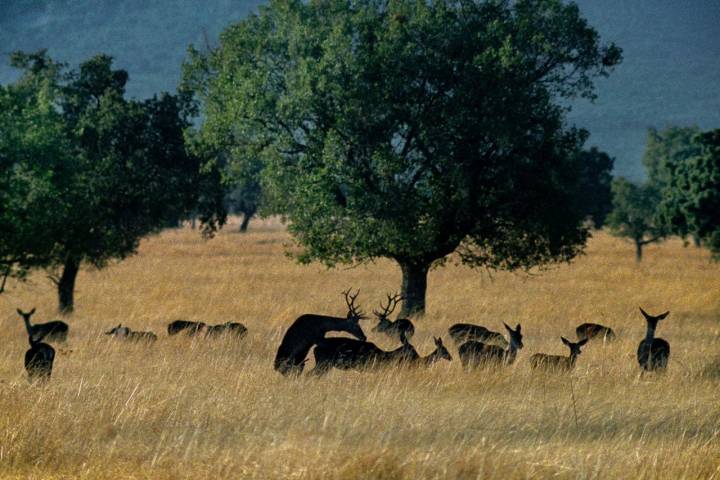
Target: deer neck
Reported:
[(28, 327), (432, 358), (572, 358), (511, 352), (650, 333)]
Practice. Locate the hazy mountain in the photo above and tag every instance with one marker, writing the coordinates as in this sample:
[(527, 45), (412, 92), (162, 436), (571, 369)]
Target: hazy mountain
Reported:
[(670, 75)]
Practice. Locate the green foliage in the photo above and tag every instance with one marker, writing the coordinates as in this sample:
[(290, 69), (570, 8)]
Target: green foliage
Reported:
[(691, 198), (409, 130), (634, 213), (665, 150), (594, 191), (109, 170)]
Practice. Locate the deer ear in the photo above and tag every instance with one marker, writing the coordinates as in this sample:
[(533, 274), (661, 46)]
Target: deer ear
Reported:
[(507, 326), (663, 315), (33, 311), (645, 314), (565, 341), (517, 328), (20, 312)]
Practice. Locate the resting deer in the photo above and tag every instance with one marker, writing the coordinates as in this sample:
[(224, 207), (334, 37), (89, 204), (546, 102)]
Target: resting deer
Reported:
[(653, 353), (309, 329), (130, 335), (464, 332), (474, 354), (233, 328), (50, 331), (594, 330), (558, 362), (351, 354), (39, 359), (440, 353), (191, 328), (387, 326)]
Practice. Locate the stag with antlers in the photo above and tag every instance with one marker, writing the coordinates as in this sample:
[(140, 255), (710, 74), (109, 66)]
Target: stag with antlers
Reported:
[(387, 326)]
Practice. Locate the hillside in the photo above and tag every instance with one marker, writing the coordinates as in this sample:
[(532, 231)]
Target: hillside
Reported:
[(670, 76)]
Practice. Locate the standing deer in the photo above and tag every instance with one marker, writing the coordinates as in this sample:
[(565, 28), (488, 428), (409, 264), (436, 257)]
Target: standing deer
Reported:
[(130, 335), (474, 354), (39, 359), (464, 332), (309, 329), (351, 354), (558, 362), (653, 353), (594, 330), (191, 328), (387, 326), (55, 330)]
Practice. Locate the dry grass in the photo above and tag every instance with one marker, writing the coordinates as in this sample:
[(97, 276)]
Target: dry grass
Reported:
[(215, 409)]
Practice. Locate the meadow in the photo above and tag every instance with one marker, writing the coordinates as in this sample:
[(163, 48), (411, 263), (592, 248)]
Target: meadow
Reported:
[(214, 408)]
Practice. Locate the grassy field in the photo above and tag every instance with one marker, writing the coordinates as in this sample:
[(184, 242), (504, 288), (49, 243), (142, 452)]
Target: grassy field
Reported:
[(198, 408)]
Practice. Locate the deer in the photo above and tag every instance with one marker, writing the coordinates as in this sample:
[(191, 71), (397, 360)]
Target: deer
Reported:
[(653, 353), (387, 326), (191, 328), (130, 335), (590, 331), (474, 354), (351, 354), (55, 330), (440, 353), (464, 332), (309, 329), (39, 358), (234, 328), (558, 362)]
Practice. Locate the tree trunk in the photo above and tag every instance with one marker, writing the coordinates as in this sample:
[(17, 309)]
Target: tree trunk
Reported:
[(246, 221), (66, 286), (697, 241), (414, 287), (193, 221), (638, 250)]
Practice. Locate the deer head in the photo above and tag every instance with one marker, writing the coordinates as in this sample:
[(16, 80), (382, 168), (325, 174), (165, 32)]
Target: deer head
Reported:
[(384, 323), (652, 320), (574, 347), (515, 336)]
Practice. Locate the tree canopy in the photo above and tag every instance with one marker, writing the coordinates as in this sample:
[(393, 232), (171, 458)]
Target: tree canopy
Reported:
[(634, 214), (410, 130)]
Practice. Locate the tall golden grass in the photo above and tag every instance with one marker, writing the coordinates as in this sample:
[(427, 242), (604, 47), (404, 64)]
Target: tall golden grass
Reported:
[(199, 408)]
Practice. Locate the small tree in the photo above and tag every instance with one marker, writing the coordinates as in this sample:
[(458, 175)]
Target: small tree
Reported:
[(594, 191), (126, 172), (410, 130), (634, 214), (691, 199)]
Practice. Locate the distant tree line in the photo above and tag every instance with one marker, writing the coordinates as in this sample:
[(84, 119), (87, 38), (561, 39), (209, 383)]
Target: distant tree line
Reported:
[(681, 195)]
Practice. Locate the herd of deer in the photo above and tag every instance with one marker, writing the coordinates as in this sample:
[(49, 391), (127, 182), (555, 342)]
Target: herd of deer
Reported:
[(477, 346)]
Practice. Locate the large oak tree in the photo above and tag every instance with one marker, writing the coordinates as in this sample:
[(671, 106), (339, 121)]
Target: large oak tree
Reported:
[(410, 130)]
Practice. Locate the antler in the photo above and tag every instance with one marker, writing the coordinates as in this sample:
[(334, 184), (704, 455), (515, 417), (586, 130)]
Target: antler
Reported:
[(392, 303), (350, 301)]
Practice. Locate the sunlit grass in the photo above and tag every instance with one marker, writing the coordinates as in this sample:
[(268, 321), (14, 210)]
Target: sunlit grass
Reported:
[(196, 408)]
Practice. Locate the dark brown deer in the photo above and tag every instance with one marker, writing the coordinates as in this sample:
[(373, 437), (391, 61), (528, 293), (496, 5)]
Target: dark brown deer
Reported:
[(475, 354), (39, 359), (465, 332), (309, 329), (590, 331), (191, 328), (125, 333), (558, 362), (387, 326), (55, 330), (653, 353), (351, 354)]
